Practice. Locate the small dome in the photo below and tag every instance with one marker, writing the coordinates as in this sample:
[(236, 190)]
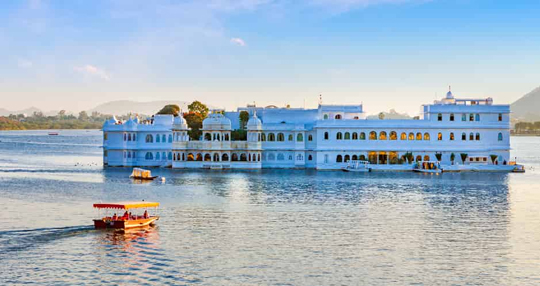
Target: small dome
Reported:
[(216, 121), (449, 95), (254, 123), (111, 121), (130, 123), (180, 123)]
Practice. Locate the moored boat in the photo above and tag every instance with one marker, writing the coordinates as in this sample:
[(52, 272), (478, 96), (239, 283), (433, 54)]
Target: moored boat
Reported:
[(127, 220), (518, 169), (357, 166), (142, 174), (53, 133), (428, 167)]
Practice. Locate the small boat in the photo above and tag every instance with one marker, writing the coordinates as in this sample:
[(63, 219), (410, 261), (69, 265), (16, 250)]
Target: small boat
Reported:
[(53, 133), (357, 166), (428, 167), (142, 174), (126, 221), (519, 169)]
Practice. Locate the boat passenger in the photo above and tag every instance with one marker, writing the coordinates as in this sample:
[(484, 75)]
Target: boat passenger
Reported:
[(145, 215), (114, 217), (125, 216)]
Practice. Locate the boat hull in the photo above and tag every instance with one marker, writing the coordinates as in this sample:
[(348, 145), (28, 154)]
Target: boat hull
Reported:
[(427, 171), (144, 178), (356, 170), (125, 224)]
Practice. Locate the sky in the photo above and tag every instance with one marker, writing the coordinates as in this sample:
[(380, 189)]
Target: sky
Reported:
[(385, 54)]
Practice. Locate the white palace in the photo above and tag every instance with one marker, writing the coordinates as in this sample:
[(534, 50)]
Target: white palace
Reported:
[(323, 138)]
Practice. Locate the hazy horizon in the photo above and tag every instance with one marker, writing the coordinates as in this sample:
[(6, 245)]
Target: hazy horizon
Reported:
[(386, 54)]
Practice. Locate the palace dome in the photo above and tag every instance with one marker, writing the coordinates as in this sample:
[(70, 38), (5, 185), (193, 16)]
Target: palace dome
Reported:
[(254, 123), (111, 121), (180, 123), (216, 121)]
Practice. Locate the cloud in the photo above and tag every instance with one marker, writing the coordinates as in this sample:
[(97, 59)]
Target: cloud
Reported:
[(238, 41), (346, 5), (24, 63), (93, 71)]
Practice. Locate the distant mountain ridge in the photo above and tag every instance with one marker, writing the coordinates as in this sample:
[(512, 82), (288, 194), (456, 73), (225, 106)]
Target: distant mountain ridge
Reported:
[(27, 111), (392, 114), (527, 108), (121, 107)]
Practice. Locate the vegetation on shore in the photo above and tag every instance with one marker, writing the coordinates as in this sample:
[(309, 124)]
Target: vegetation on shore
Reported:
[(59, 121), (527, 128)]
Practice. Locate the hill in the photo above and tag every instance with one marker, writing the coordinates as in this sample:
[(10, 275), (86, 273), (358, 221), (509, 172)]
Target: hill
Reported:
[(120, 107), (392, 114), (28, 111), (527, 108)]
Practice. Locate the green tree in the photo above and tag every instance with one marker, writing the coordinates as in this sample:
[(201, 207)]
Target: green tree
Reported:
[(194, 121), (381, 115), (493, 158), (239, 135), (198, 107), (464, 157), (438, 156), (452, 157), (244, 118), (170, 109), (83, 115)]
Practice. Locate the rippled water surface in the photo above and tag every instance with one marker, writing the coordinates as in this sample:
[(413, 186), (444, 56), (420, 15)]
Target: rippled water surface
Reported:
[(271, 227)]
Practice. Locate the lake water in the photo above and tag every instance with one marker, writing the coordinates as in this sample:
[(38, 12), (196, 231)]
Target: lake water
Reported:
[(271, 227)]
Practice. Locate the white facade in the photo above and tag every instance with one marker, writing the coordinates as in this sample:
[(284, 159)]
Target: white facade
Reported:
[(322, 138)]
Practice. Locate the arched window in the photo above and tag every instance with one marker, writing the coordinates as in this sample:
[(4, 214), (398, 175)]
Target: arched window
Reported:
[(451, 136), (158, 138), (339, 136), (439, 136), (463, 117), (325, 135), (290, 157), (190, 157), (271, 157), (382, 135), (163, 138), (355, 136), (426, 136), (207, 157), (310, 158), (280, 157), (426, 158), (477, 136), (290, 137), (418, 136), (500, 137), (362, 157), (403, 136), (325, 116), (354, 157), (170, 138), (207, 137), (128, 154), (500, 116), (234, 157), (149, 138), (418, 158), (125, 137), (263, 137), (477, 117), (226, 136), (199, 157), (169, 156), (439, 117), (149, 156), (225, 157), (338, 116), (471, 117), (362, 136), (463, 136), (451, 116), (129, 137), (347, 136), (258, 157), (411, 136), (310, 137), (280, 137), (299, 137), (134, 138), (216, 157), (339, 159), (372, 135), (471, 136), (271, 137), (157, 156), (347, 158), (393, 135)]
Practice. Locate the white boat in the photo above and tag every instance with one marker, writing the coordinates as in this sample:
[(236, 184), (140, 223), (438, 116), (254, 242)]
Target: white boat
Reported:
[(142, 174), (357, 166), (433, 167)]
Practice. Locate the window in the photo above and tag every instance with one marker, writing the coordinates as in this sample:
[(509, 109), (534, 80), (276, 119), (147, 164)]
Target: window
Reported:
[(451, 116), (393, 135), (190, 157), (339, 136), (418, 158), (347, 158), (411, 136), (263, 137), (354, 157), (325, 116), (271, 157), (338, 116), (280, 157), (225, 157), (426, 136), (463, 136), (227, 136), (157, 138), (271, 137), (149, 156), (169, 156), (355, 136), (362, 136), (105, 135), (471, 117), (471, 136), (310, 158), (418, 136), (290, 137), (500, 116), (439, 117), (207, 137), (129, 137), (426, 158), (477, 136), (125, 137), (157, 156), (372, 135), (382, 135), (339, 159), (280, 137), (403, 136), (439, 136), (325, 135), (463, 117), (149, 138), (500, 137), (477, 117), (216, 157), (326, 158), (347, 136), (170, 138), (134, 137), (452, 136), (163, 138), (310, 137), (299, 137)]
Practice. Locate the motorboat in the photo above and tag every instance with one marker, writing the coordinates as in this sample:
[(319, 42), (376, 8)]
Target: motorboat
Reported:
[(518, 169), (433, 167), (53, 133), (357, 166), (142, 174), (127, 220)]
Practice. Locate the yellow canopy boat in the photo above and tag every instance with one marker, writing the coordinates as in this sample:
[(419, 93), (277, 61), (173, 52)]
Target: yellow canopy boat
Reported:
[(127, 220)]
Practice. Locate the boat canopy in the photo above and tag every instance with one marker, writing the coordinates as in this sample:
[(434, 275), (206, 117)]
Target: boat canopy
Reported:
[(126, 205), (141, 173)]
